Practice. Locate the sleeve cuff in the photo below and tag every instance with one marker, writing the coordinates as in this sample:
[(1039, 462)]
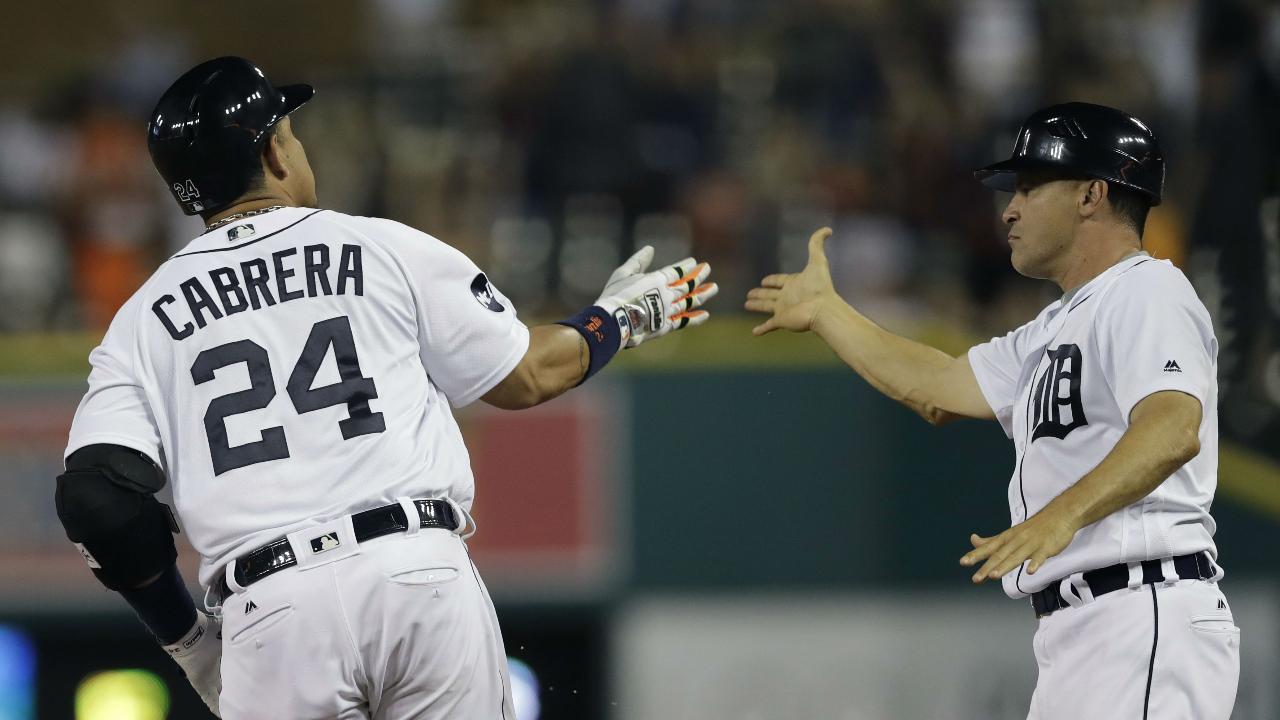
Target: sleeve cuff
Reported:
[(518, 350), (145, 447), (983, 375), (1131, 400)]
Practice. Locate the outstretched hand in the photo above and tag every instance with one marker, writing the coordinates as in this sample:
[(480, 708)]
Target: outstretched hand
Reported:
[(650, 304), (794, 300)]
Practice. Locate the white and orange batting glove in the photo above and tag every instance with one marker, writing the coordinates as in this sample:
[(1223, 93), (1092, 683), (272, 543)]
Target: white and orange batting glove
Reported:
[(648, 305)]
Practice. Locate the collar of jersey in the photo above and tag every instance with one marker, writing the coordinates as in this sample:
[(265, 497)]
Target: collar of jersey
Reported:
[(264, 219), (1123, 264), (262, 224)]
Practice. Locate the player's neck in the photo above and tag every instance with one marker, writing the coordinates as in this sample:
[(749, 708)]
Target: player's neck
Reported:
[(249, 205), (1090, 257)]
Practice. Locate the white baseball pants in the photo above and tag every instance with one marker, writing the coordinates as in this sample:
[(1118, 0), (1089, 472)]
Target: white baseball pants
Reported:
[(1155, 652), (396, 627)]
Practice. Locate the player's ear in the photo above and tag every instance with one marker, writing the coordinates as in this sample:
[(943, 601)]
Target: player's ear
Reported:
[(1094, 192), (273, 156)]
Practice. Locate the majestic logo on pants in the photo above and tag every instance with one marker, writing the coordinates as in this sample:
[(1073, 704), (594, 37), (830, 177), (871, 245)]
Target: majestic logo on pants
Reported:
[(1058, 407)]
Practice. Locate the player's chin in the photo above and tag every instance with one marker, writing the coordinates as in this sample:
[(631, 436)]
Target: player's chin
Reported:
[(1024, 262)]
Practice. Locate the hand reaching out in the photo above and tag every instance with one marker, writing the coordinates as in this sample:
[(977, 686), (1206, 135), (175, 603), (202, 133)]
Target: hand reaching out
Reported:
[(794, 300)]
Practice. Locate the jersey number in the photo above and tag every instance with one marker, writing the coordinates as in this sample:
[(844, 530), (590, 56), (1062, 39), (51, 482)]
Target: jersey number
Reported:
[(354, 389)]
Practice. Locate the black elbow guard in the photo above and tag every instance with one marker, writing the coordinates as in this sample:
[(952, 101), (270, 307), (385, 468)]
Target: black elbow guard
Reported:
[(106, 502)]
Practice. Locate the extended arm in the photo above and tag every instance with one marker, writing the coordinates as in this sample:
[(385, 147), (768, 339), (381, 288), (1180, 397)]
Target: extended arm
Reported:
[(935, 385), (1163, 434), (556, 361), (636, 306)]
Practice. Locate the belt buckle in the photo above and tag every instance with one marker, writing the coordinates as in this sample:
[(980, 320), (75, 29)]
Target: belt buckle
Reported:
[(432, 513), (325, 542), (322, 542)]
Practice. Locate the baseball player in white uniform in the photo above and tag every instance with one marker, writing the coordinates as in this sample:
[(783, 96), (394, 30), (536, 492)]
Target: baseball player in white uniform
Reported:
[(1110, 397), (290, 373)]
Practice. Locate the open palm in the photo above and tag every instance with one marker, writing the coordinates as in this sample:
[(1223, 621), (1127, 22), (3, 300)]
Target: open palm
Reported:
[(793, 300)]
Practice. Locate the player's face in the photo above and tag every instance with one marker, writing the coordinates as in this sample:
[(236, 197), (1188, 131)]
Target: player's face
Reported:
[(301, 180), (1042, 218)]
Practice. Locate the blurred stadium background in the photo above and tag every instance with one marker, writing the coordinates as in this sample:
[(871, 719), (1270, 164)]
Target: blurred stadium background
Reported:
[(739, 528)]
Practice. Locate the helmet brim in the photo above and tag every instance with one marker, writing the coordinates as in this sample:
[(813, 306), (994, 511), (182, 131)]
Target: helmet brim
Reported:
[(1003, 176), (295, 96)]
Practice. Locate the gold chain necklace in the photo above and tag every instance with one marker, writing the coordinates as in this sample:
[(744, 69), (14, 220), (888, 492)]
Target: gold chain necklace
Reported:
[(241, 216)]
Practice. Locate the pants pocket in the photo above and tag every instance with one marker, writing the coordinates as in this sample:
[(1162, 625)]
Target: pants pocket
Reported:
[(429, 575), (429, 560), (1215, 624), (256, 621)]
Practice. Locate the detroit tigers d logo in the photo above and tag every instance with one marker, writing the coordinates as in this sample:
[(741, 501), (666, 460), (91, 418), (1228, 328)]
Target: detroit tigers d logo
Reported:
[(1050, 402)]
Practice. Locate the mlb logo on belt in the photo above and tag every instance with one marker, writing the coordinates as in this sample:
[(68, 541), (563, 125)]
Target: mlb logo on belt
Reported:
[(325, 542)]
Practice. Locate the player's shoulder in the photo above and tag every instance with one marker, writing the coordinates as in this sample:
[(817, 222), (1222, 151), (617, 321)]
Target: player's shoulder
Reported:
[(1152, 280), (363, 223), (1150, 285), (390, 234), (376, 228), (128, 322)]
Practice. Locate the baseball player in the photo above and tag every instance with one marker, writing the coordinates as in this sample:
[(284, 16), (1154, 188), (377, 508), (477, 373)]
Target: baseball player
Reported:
[(1110, 398), (290, 372)]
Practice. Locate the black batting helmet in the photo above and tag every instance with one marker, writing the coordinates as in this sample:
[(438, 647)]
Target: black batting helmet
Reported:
[(1090, 140), (206, 133)]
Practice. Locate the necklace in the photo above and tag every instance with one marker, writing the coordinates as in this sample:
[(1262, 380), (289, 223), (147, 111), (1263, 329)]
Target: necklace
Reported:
[(240, 216)]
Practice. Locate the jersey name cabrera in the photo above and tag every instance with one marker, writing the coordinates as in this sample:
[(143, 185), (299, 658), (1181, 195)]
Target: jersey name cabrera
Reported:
[(296, 366), (1063, 386)]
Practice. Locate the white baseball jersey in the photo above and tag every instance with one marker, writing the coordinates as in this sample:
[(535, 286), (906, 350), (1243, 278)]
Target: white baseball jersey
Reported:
[(1062, 387), (296, 366)]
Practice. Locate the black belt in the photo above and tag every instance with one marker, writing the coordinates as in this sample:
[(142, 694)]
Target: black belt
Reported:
[(1196, 566), (278, 554)]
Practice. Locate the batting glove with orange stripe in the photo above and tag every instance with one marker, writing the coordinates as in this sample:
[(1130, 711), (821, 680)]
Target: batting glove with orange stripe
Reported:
[(648, 305)]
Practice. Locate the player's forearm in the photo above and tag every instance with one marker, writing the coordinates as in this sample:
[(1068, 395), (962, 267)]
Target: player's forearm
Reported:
[(163, 605), (1156, 444), (556, 361), (896, 366)]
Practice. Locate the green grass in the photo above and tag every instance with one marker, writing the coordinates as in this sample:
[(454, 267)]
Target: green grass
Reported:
[(46, 355)]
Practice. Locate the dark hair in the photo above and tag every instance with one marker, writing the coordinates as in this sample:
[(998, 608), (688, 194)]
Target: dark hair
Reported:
[(1129, 205)]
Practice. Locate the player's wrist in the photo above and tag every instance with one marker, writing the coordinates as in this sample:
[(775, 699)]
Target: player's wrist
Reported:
[(605, 328), (1065, 512), (826, 312), (187, 644)]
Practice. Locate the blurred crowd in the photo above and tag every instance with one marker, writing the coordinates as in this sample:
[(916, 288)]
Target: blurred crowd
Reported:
[(548, 139)]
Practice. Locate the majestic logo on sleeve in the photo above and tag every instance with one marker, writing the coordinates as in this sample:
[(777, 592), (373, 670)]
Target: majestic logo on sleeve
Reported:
[(1058, 408), (485, 294)]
